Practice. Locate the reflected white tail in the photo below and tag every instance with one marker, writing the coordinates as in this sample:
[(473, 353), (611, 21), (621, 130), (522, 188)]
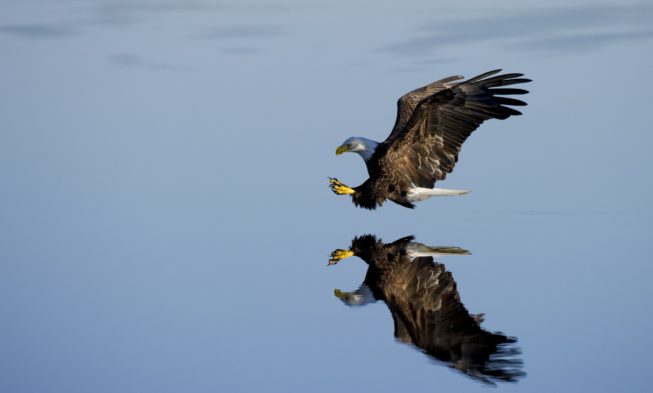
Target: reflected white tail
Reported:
[(415, 250)]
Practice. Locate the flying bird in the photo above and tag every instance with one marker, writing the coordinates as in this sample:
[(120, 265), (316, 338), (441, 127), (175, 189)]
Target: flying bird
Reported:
[(432, 124), (426, 308)]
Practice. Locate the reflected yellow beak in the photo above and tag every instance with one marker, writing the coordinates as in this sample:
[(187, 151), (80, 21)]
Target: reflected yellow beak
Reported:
[(341, 149), (339, 294)]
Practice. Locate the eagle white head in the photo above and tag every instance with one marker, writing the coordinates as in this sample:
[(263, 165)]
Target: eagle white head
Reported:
[(356, 144)]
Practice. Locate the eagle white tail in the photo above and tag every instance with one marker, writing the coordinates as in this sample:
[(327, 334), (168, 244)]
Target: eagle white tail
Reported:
[(419, 194), (445, 192)]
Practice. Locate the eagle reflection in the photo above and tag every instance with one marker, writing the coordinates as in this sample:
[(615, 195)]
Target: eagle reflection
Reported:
[(426, 308)]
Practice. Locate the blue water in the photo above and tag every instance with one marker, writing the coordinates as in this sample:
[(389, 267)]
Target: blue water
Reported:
[(165, 220)]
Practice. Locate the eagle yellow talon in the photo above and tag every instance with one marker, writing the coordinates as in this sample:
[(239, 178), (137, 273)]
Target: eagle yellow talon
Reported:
[(338, 255), (339, 188)]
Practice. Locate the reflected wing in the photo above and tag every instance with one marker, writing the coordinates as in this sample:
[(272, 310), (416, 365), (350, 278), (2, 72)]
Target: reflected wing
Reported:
[(425, 147), (427, 303)]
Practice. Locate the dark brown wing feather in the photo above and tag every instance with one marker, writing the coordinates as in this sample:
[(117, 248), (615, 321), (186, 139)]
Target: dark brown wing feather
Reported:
[(425, 149), (408, 102)]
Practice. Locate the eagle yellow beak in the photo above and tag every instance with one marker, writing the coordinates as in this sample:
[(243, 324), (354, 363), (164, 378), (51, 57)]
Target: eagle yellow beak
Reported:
[(341, 149)]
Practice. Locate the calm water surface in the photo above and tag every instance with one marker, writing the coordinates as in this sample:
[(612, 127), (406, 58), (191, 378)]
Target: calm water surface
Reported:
[(165, 221)]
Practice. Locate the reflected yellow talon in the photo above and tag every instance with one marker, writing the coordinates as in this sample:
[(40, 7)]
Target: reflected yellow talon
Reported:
[(339, 254), (339, 188)]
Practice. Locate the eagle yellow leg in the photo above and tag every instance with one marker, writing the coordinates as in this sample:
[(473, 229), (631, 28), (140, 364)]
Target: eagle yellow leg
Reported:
[(338, 255), (340, 188)]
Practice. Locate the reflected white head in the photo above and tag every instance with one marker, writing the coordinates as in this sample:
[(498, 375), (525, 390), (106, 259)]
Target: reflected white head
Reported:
[(360, 297)]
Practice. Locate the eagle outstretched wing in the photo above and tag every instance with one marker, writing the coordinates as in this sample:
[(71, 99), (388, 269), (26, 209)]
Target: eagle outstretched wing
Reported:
[(408, 102), (434, 121)]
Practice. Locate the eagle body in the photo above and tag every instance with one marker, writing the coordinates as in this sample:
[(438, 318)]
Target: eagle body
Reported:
[(432, 124)]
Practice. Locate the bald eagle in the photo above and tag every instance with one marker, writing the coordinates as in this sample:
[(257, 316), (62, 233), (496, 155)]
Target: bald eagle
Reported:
[(426, 307), (432, 124)]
